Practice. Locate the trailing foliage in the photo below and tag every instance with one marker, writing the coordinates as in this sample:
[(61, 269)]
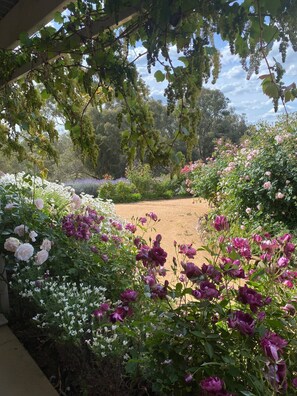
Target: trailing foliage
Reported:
[(74, 68)]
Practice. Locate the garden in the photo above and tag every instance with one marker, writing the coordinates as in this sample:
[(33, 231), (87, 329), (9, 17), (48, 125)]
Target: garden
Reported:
[(98, 301), (95, 293)]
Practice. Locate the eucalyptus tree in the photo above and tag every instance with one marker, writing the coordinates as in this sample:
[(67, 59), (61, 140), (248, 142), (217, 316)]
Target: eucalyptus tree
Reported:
[(84, 58)]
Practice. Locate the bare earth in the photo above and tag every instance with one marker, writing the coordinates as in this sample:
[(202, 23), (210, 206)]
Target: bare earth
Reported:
[(178, 222)]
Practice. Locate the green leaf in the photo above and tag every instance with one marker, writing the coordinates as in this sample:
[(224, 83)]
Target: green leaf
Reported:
[(270, 88), (24, 38), (247, 393), (159, 76), (209, 349), (58, 17)]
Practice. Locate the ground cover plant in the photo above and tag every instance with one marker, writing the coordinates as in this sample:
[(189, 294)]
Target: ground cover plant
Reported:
[(93, 287)]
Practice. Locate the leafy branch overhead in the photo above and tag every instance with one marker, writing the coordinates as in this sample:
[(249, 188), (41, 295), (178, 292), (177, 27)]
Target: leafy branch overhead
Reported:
[(85, 59)]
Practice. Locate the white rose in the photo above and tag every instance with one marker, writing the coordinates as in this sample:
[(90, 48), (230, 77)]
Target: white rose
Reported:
[(24, 252), (11, 244), (10, 205), (39, 203), (46, 245), (33, 235), (20, 230), (41, 257)]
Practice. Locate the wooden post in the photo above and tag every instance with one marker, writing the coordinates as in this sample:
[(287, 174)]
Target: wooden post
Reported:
[(4, 302)]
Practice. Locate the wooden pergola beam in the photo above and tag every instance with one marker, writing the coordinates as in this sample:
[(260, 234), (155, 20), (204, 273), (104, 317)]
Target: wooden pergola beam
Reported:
[(27, 16), (70, 42)]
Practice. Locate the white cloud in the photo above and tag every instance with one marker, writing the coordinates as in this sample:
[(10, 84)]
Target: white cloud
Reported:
[(246, 96)]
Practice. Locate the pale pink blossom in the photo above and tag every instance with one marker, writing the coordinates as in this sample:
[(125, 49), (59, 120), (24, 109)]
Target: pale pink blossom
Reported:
[(267, 185), (268, 173), (279, 139), (10, 205), (41, 257), (11, 244), (20, 230), (39, 203), (248, 210), (33, 235), (24, 252), (279, 195), (76, 201), (46, 245)]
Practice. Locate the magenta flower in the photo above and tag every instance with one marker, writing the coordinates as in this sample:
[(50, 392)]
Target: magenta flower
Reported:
[(187, 250), (129, 295), (188, 378), (120, 313), (242, 322), (152, 215), (221, 223), (131, 227), (282, 262), (232, 268), (212, 384), (242, 246), (246, 295), (159, 291), (289, 249), (294, 382), (100, 312), (142, 220), (104, 238), (277, 375), (273, 345)]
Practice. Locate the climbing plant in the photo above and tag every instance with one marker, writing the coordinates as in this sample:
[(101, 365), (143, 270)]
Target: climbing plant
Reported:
[(84, 58)]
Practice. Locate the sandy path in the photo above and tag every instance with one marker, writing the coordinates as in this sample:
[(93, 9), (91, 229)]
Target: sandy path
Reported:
[(178, 222)]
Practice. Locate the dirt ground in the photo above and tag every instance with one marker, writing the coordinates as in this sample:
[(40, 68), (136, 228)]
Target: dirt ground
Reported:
[(178, 222)]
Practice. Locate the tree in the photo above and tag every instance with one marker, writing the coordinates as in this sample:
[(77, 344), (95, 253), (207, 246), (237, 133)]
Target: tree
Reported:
[(217, 120), (79, 63)]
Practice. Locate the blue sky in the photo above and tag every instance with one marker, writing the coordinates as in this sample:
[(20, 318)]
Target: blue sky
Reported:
[(245, 96)]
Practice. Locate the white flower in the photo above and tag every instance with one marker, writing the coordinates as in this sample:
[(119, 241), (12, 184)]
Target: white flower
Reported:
[(33, 235), (24, 252), (248, 210), (46, 245), (20, 230), (39, 203), (268, 173), (11, 244), (41, 257)]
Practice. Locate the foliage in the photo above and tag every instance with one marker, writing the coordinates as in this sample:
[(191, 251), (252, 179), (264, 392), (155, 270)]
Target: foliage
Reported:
[(74, 68), (122, 191), (256, 181), (225, 327)]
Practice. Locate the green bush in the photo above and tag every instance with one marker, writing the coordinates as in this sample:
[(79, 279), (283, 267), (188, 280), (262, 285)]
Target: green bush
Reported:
[(119, 192), (255, 182)]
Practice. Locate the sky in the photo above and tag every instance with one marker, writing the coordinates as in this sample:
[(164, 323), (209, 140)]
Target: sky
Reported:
[(245, 96)]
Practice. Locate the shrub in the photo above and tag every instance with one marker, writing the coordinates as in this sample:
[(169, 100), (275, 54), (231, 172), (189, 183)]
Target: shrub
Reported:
[(256, 181), (119, 192)]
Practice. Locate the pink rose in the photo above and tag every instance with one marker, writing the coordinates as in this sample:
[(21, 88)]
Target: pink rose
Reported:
[(39, 203), (24, 252), (267, 185), (20, 230), (46, 245), (41, 257), (279, 195), (11, 244)]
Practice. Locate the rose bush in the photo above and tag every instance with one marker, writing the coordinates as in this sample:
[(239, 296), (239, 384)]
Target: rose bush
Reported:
[(254, 183)]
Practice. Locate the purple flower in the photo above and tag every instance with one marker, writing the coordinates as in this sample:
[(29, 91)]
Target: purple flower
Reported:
[(187, 250), (273, 345), (129, 295), (142, 220), (188, 378), (221, 223), (246, 295), (191, 270), (277, 374), (213, 273), (120, 313), (289, 249), (159, 291), (294, 382), (242, 246), (104, 238), (212, 384), (242, 322), (232, 268), (206, 291), (130, 227), (99, 313), (152, 215), (282, 262)]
